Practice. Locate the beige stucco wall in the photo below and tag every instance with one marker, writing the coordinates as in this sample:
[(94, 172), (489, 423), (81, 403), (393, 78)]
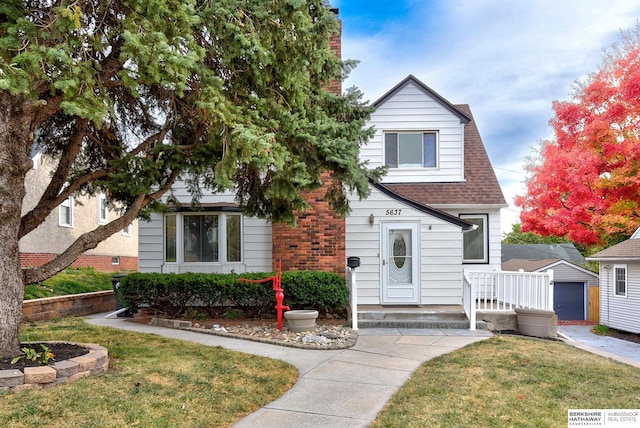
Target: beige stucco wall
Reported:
[(50, 237)]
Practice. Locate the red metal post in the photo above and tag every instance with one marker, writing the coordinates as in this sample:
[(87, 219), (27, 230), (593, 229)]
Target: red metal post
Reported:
[(277, 287)]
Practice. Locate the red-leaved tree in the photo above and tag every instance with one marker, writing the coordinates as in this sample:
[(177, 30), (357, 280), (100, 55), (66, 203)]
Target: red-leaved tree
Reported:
[(586, 184)]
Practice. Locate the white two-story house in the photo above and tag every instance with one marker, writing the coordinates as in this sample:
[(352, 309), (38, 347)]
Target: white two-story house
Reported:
[(435, 214)]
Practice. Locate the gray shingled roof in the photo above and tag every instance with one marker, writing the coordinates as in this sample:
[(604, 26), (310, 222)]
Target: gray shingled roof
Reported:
[(566, 252), (627, 250), (528, 265)]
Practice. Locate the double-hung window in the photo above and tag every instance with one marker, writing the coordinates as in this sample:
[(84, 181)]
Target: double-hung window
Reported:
[(103, 209), (65, 212), (203, 238), (620, 280), (476, 241), (411, 149)]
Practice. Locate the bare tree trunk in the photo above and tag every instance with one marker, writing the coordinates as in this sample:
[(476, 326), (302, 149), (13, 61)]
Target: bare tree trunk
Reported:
[(15, 144)]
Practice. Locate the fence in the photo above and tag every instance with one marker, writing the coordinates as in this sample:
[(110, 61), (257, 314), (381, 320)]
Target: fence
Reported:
[(505, 291)]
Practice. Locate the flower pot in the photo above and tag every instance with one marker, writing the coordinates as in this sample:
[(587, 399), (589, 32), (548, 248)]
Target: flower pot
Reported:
[(534, 322), (301, 320)]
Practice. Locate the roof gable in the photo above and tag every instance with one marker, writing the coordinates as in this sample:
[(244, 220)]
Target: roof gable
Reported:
[(427, 90)]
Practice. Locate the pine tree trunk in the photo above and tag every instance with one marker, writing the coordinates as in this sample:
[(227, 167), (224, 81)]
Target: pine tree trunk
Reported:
[(15, 144)]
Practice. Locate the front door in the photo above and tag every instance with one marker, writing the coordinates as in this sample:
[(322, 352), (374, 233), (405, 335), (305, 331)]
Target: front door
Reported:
[(400, 263)]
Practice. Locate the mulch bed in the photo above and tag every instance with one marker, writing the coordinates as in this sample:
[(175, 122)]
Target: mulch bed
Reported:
[(624, 335), (61, 351)]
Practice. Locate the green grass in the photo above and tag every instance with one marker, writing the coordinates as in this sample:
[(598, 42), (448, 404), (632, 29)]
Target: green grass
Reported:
[(511, 381), (151, 382), (70, 281)]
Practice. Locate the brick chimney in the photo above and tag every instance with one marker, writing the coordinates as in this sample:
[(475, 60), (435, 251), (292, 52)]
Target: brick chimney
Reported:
[(318, 241)]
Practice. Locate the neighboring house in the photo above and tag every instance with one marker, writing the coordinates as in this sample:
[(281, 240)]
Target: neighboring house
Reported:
[(571, 284), (435, 214), (66, 223), (564, 251), (620, 284)]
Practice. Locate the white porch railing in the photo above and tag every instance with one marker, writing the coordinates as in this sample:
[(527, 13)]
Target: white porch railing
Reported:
[(505, 291)]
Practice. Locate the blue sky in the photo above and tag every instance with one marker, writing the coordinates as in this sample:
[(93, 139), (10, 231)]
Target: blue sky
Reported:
[(507, 59)]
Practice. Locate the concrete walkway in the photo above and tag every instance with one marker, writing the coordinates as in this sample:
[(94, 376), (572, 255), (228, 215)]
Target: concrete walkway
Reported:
[(581, 337), (337, 388)]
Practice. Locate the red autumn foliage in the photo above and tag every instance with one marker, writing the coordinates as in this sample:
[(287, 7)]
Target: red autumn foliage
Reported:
[(587, 185)]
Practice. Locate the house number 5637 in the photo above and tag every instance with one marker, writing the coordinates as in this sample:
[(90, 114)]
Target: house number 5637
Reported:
[(393, 212)]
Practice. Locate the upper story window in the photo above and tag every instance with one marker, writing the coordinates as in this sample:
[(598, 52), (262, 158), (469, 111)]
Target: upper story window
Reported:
[(620, 280), (127, 230), (203, 238), (65, 212), (476, 242), (103, 209), (411, 149)]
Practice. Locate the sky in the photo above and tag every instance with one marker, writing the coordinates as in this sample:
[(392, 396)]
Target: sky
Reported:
[(508, 59)]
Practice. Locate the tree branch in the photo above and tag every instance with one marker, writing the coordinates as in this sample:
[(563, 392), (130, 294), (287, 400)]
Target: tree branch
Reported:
[(85, 242), (52, 197)]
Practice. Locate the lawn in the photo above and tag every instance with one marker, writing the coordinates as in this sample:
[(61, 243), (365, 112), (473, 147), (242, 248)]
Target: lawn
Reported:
[(70, 281), (151, 382), (510, 381)]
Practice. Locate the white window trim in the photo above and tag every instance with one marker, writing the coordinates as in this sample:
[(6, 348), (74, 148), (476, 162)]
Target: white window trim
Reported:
[(68, 203), (485, 219), (102, 209), (127, 230), (615, 281), (413, 131), (222, 241)]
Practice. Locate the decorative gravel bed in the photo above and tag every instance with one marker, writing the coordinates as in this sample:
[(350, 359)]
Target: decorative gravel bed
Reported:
[(322, 337)]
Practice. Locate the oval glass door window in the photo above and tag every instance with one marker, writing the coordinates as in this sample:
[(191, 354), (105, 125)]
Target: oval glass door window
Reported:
[(399, 251)]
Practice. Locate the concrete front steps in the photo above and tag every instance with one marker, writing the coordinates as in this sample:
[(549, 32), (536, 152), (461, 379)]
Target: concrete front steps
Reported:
[(416, 316)]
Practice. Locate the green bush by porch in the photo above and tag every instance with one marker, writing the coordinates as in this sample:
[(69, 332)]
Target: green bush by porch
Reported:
[(214, 293)]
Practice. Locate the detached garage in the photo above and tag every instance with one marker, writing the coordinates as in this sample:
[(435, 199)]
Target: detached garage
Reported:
[(570, 287)]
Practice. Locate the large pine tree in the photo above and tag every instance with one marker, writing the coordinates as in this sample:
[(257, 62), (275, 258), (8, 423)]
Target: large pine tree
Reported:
[(129, 95)]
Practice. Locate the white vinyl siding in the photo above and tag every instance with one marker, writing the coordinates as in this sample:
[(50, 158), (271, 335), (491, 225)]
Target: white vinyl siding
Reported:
[(440, 250), (411, 110), (617, 311)]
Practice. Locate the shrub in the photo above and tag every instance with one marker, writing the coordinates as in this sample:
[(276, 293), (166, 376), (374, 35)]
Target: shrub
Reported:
[(175, 294), (326, 291)]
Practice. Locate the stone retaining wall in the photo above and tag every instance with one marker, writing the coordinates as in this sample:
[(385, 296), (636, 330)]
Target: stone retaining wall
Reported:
[(72, 305), (94, 363)]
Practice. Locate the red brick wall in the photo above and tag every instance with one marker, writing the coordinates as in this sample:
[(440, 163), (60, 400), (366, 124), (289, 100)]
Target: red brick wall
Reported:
[(318, 241), (99, 263)]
